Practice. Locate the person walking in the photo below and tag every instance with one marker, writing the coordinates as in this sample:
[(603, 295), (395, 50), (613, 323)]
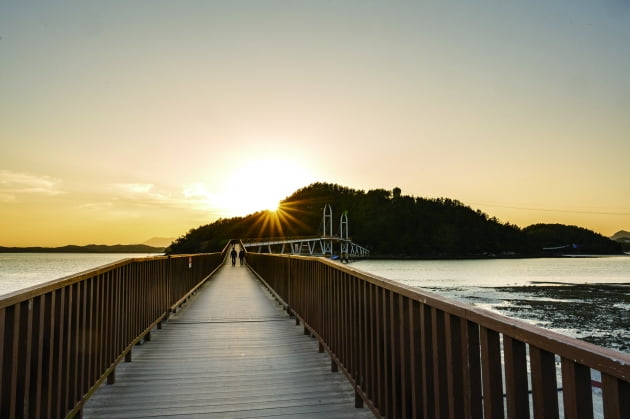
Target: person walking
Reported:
[(233, 255), (241, 255)]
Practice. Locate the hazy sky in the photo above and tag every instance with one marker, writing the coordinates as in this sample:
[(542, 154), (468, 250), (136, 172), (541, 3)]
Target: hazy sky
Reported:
[(125, 120)]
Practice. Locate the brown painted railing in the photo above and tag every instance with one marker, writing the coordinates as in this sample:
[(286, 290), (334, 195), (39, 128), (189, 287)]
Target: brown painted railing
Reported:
[(413, 354), (62, 339)]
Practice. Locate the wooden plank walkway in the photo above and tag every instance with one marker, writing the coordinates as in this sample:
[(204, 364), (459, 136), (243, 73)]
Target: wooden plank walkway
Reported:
[(231, 352)]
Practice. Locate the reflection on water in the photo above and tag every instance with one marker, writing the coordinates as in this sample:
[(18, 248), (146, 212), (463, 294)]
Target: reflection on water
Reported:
[(587, 298), (23, 270)]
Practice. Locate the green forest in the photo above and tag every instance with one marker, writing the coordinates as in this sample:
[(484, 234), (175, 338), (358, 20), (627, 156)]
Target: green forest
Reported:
[(394, 225)]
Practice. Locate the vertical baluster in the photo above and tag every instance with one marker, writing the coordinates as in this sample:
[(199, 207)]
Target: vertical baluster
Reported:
[(454, 366), (471, 375), (60, 353), (405, 358), (89, 337), (491, 373), (373, 383), (576, 390), (439, 363), (68, 371), (358, 347), (108, 331), (11, 362), (50, 347), (27, 341), (83, 385), (415, 359), (345, 321), (335, 313), (516, 385), (39, 354), (115, 301), (394, 353), (128, 307), (99, 335), (378, 340), (352, 322), (544, 387), (334, 302), (616, 394), (367, 327), (387, 373), (428, 384), (3, 364)]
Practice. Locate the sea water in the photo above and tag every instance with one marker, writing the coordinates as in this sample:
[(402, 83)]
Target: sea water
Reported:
[(23, 270)]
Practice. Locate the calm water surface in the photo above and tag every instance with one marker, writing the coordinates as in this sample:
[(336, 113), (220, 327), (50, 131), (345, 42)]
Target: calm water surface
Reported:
[(22, 270), (587, 298)]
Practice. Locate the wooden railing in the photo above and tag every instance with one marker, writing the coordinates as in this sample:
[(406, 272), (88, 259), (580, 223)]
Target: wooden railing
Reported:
[(62, 339), (413, 354)]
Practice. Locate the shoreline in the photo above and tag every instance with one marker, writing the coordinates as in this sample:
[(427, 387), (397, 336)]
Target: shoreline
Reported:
[(90, 248)]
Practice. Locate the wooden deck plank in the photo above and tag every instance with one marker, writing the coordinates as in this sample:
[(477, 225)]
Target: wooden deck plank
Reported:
[(231, 352)]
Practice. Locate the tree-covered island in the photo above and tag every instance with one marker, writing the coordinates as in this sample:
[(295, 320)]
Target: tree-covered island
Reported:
[(393, 225)]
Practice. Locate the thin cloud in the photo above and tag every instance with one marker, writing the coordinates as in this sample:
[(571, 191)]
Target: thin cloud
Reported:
[(141, 193), (14, 184), (192, 196), (96, 206)]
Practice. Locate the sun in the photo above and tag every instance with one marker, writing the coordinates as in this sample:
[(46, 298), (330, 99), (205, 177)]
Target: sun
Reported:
[(261, 184), (273, 207)]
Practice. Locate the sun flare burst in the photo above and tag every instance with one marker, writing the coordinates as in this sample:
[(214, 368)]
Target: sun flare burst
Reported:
[(261, 185)]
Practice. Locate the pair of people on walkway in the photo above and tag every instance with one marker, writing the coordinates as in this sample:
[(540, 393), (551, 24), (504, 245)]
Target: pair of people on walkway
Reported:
[(241, 256)]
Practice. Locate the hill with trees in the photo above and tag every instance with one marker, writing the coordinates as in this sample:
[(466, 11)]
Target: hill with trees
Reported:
[(391, 224), (569, 239)]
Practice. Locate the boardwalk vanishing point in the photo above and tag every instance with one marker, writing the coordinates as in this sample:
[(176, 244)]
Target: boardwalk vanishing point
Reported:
[(231, 352)]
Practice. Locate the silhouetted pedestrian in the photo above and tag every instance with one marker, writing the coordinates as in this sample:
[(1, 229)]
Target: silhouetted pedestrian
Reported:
[(233, 255), (241, 256)]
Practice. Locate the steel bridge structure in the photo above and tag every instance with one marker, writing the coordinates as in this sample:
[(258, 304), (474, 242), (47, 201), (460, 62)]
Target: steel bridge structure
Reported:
[(326, 245)]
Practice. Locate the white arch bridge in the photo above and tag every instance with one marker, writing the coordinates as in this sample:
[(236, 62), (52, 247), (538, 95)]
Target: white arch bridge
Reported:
[(326, 245)]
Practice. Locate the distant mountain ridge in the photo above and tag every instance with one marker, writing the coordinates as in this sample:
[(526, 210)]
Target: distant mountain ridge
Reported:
[(159, 241), (623, 238), (90, 248), (621, 235)]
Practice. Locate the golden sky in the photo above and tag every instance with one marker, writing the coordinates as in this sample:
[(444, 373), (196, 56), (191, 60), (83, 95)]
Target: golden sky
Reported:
[(121, 121)]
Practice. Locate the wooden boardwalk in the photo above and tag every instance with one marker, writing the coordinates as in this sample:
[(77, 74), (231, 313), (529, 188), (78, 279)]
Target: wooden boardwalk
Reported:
[(231, 352)]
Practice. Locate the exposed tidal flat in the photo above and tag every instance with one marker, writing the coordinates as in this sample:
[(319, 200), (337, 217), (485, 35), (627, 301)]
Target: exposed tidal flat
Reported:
[(586, 298)]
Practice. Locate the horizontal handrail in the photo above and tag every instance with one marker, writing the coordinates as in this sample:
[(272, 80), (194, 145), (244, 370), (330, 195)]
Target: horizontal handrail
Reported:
[(62, 339), (411, 353)]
